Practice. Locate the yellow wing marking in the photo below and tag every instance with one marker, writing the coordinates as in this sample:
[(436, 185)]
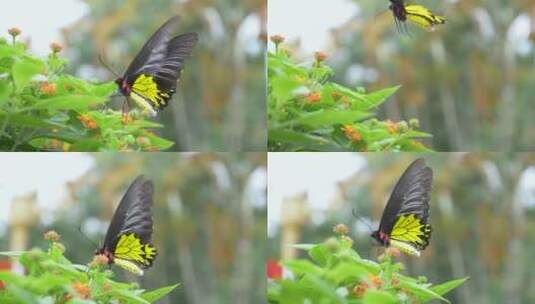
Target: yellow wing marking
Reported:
[(405, 247), (409, 229), (147, 88), (129, 247), (423, 17), (130, 266)]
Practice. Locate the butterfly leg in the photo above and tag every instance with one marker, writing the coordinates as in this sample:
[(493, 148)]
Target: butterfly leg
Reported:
[(124, 111)]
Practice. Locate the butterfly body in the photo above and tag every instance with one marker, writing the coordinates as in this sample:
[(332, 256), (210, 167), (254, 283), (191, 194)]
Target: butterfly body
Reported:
[(404, 221), (128, 239), (416, 14), (151, 79), (398, 10)]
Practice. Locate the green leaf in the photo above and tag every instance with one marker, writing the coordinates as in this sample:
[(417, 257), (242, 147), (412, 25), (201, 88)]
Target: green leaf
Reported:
[(86, 145), (80, 301), (377, 296), (6, 51), (301, 140), (444, 288), (155, 295), (80, 103), (320, 254), (300, 267), (127, 295), (24, 70), (22, 120), (105, 89), (160, 143), (330, 117), (5, 91), (422, 292), (12, 253), (374, 99), (304, 246), (347, 272)]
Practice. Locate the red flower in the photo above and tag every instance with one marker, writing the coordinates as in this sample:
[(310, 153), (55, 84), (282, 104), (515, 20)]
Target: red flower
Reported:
[(273, 270)]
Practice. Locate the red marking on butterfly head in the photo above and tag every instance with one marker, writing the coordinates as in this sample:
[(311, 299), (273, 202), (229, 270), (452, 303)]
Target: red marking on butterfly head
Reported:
[(381, 237), (124, 87), (106, 253)]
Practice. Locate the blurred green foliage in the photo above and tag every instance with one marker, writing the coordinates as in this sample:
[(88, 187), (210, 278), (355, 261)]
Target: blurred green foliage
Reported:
[(306, 112), (335, 273), (220, 100), (44, 109), (52, 278)]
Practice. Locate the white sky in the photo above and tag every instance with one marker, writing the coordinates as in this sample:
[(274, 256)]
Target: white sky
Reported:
[(310, 21), (40, 20), (290, 174), (46, 173)]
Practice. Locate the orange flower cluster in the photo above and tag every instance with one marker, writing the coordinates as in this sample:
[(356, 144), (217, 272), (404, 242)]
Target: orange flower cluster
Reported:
[(47, 88), (14, 31), (99, 260), (320, 56), (360, 289), (313, 97), (277, 39), (56, 47), (341, 229), (88, 122), (376, 281), (82, 290), (391, 126), (52, 236), (352, 133)]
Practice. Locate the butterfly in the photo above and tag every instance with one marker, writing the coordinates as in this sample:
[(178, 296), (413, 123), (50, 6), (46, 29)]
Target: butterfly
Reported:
[(128, 239), (417, 14), (151, 79), (404, 221)]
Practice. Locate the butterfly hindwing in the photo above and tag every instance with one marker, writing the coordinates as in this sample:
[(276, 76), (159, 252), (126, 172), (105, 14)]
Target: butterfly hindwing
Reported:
[(423, 17), (417, 14)]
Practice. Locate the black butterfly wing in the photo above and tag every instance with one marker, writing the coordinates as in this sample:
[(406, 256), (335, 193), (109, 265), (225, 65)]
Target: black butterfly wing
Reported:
[(153, 74), (154, 50), (167, 71), (133, 214), (410, 196)]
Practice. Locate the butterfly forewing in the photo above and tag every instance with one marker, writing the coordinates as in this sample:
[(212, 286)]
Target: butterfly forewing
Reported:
[(152, 76), (154, 50), (410, 196), (133, 215)]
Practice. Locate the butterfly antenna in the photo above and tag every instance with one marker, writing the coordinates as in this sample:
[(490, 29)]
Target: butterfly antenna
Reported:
[(87, 238), (107, 66), (355, 214)]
